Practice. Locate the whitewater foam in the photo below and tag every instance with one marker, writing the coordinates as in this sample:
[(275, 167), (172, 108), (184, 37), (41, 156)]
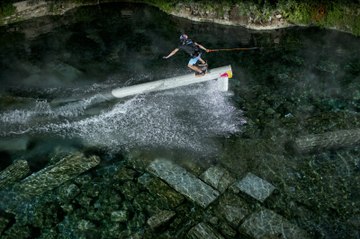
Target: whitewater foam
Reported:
[(185, 118)]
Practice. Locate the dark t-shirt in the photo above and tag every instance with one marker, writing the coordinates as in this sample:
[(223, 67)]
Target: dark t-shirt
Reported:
[(189, 47)]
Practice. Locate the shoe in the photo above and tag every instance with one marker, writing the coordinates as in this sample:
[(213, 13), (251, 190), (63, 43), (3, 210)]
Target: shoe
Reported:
[(200, 74)]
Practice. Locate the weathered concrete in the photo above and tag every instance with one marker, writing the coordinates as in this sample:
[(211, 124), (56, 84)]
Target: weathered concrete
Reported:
[(220, 73), (203, 231), (55, 175), (15, 172), (183, 182), (255, 187), (267, 223)]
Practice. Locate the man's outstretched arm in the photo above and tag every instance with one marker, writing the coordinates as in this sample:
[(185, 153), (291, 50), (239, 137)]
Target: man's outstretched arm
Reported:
[(171, 53), (201, 47)]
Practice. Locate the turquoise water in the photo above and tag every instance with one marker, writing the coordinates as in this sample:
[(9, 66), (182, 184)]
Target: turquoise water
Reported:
[(56, 71)]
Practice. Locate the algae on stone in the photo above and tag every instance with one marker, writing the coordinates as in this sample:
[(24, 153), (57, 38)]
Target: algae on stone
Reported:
[(15, 172), (55, 175)]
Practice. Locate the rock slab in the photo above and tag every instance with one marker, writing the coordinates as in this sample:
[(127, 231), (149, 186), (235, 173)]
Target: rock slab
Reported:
[(183, 182), (233, 209), (15, 172), (266, 223), (160, 219), (203, 231), (57, 174), (255, 187), (217, 177)]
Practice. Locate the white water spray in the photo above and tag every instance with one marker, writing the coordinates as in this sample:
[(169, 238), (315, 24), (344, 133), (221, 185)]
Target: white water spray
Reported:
[(185, 118)]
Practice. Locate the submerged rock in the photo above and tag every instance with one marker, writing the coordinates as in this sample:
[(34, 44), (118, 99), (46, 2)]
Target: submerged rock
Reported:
[(329, 140), (161, 191), (160, 219), (55, 175), (119, 216), (266, 223), (68, 192), (255, 187), (15, 172), (203, 231), (184, 182), (232, 208), (217, 177)]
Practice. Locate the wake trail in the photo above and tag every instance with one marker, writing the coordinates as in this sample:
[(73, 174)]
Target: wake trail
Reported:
[(185, 118)]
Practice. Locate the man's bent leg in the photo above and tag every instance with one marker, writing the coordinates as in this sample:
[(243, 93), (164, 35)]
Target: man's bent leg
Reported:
[(195, 68), (192, 65)]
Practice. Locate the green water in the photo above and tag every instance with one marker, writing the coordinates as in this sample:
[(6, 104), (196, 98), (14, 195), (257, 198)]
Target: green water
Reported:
[(300, 81)]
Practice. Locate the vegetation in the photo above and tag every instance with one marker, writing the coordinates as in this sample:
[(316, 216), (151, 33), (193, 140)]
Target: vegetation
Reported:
[(6, 9), (341, 15), (338, 14)]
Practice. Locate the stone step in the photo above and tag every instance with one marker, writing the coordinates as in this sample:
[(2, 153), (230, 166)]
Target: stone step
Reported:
[(266, 223), (255, 187), (183, 182)]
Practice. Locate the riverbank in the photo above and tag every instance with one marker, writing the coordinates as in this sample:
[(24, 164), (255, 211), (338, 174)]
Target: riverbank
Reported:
[(337, 15)]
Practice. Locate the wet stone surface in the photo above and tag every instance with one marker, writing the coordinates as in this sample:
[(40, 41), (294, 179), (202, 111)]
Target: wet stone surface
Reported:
[(160, 219), (183, 182), (218, 178), (203, 231), (255, 187), (266, 223), (15, 172), (163, 192), (233, 208), (55, 175)]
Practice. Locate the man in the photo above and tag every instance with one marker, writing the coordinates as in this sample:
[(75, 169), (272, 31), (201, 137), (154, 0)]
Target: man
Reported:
[(193, 49)]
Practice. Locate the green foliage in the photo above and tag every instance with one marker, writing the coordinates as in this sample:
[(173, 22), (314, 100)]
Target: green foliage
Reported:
[(343, 17), (163, 4), (6, 9), (339, 14)]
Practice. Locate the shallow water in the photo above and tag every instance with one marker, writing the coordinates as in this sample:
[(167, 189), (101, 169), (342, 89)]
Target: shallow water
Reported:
[(55, 73)]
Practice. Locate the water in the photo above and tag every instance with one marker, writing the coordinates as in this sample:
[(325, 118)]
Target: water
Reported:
[(82, 59), (55, 73)]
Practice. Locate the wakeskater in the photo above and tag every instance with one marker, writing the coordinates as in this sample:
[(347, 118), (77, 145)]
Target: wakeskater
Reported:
[(193, 49), (196, 63)]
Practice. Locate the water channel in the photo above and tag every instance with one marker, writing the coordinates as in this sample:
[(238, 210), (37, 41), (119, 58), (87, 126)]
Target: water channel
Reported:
[(55, 71)]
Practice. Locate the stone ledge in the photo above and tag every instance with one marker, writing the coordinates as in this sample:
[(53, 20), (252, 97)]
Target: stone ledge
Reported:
[(183, 182)]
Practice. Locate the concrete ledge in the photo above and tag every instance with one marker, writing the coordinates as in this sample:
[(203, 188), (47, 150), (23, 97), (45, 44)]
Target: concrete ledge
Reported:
[(221, 73)]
